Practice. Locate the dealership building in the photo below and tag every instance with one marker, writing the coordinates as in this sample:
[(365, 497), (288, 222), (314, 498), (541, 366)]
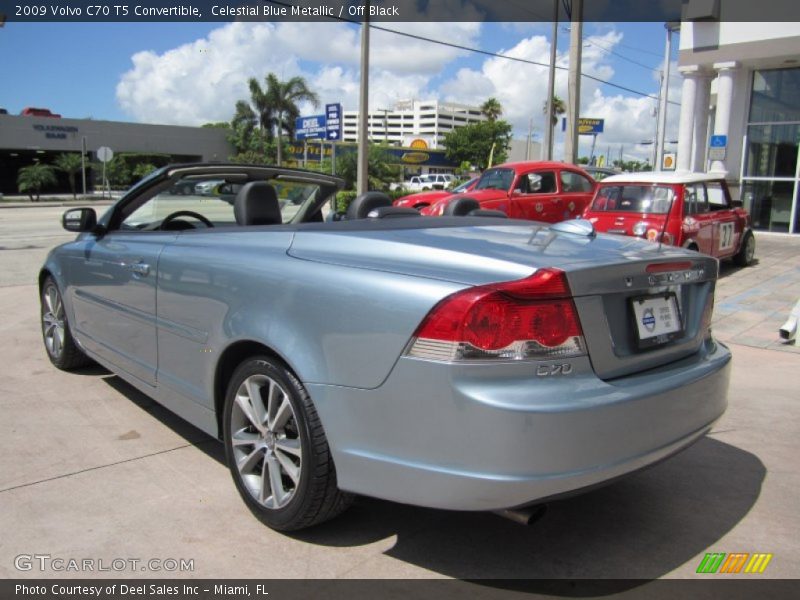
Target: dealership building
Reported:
[(411, 120), (27, 139), (740, 113)]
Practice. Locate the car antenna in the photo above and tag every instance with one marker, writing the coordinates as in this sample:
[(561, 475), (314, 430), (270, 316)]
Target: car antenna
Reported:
[(666, 221)]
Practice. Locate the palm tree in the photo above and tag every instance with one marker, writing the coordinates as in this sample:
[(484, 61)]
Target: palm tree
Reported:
[(260, 107), (71, 164), (492, 109), (282, 98), (31, 179), (559, 108)]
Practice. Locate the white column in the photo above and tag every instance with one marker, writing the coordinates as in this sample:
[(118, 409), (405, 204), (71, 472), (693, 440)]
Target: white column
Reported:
[(701, 112), (722, 120), (686, 122)]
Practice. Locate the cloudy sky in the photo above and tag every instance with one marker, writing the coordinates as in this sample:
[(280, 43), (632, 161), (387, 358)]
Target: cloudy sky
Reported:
[(189, 74)]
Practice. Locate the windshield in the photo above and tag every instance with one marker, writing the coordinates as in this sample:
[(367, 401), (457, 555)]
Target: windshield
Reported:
[(463, 187), (197, 202), (652, 199), (496, 179)]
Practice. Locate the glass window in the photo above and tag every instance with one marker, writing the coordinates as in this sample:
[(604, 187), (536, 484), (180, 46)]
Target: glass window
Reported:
[(538, 182), (574, 182), (771, 150), (776, 96), (496, 179), (769, 203), (694, 197), (717, 200), (193, 203), (634, 199)]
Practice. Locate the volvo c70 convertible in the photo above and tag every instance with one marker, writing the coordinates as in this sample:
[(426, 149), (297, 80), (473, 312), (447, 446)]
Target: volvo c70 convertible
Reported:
[(464, 362)]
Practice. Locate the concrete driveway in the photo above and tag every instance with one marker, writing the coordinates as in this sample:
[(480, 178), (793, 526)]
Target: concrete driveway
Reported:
[(92, 469)]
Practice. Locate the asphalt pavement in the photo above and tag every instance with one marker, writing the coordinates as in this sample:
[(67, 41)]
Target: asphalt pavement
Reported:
[(90, 468)]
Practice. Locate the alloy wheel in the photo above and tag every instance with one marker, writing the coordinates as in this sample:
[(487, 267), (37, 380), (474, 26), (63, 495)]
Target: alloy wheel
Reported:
[(265, 441)]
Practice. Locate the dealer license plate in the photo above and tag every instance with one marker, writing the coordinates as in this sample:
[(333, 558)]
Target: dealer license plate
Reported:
[(658, 319)]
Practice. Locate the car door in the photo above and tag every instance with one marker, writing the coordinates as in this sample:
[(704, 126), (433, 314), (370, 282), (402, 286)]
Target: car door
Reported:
[(114, 299), (535, 197), (694, 195), (576, 193), (727, 227)]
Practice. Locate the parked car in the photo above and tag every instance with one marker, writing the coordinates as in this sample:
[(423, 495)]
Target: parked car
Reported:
[(692, 210), (421, 183), (465, 363), (600, 173), (30, 111), (206, 188), (423, 199), (539, 191)]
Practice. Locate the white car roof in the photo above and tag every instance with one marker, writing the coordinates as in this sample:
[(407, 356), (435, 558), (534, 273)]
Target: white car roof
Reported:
[(663, 177)]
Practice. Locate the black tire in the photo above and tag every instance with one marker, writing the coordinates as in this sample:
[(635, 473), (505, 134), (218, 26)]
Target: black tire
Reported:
[(314, 497), (61, 348), (744, 257)]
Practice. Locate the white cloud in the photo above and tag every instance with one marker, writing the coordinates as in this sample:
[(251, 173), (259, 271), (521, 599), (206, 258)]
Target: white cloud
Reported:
[(201, 81), (522, 90)]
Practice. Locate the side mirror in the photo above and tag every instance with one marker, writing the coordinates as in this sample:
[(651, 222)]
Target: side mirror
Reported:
[(79, 220)]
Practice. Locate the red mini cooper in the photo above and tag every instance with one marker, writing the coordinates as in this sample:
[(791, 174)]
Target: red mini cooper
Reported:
[(692, 210), (540, 191)]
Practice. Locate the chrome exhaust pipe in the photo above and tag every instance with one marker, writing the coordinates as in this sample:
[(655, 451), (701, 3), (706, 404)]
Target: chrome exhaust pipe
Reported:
[(523, 516)]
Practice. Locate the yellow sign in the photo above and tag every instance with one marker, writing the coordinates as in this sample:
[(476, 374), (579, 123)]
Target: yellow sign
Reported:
[(668, 162), (419, 144), (415, 157)]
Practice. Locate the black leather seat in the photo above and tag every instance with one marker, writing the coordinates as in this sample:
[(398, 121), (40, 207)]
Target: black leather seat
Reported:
[(257, 204), (461, 207), (362, 205)]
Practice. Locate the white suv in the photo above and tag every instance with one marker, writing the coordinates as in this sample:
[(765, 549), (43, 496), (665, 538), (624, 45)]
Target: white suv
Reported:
[(422, 183)]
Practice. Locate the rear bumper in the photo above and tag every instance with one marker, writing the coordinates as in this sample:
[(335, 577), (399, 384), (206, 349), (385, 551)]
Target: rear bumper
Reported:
[(486, 437)]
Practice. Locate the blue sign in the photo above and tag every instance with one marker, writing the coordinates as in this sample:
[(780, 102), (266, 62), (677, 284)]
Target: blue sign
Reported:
[(333, 122), (718, 141), (309, 128), (586, 126)]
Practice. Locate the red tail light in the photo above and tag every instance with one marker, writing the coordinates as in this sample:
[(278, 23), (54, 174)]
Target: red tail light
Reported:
[(529, 318)]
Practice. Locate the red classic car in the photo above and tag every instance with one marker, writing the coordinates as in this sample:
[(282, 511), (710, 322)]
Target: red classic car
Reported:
[(423, 199), (692, 210), (540, 191)]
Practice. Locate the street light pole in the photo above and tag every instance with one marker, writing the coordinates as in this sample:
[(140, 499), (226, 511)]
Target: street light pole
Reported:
[(663, 100), (574, 82), (362, 180), (551, 80)]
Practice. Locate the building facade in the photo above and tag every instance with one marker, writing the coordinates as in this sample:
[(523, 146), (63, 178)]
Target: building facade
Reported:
[(28, 139), (413, 120), (740, 113)]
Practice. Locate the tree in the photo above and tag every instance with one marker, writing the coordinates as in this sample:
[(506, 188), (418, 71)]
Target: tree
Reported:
[(492, 109), (143, 169), (282, 98), (71, 164), (33, 178), (474, 142), (381, 171), (559, 108)]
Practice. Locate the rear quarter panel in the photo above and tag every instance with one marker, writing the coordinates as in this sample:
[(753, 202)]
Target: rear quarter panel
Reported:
[(331, 324)]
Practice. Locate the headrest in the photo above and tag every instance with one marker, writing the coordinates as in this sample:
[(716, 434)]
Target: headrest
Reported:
[(461, 207), (361, 206), (257, 204)]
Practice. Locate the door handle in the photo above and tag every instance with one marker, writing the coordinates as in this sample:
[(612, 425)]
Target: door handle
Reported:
[(139, 268)]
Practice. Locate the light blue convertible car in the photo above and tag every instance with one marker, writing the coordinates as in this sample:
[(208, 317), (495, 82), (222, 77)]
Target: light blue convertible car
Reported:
[(464, 362)]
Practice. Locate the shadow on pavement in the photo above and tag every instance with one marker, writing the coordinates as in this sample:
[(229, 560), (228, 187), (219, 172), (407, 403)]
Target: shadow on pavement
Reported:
[(639, 528), (207, 444)]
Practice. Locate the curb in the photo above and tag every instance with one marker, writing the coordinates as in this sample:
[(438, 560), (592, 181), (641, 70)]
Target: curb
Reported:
[(66, 203)]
